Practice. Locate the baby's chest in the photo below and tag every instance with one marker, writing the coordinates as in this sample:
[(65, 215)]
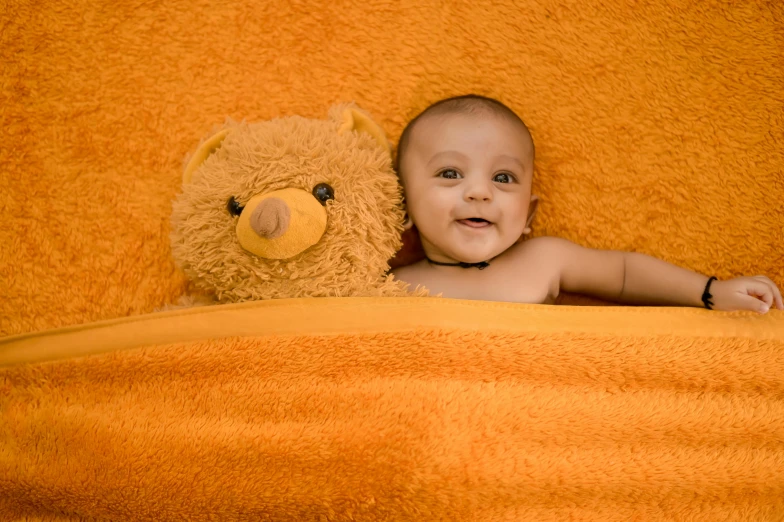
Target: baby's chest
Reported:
[(499, 286)]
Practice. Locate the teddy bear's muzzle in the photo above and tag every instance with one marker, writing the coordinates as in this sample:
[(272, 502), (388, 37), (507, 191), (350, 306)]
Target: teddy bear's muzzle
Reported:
[(281, 224)]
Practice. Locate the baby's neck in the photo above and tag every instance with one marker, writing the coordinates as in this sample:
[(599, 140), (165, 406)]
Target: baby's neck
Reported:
[(481, 265)]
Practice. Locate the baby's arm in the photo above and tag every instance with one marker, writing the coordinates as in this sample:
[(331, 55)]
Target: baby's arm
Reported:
[(633, 278)]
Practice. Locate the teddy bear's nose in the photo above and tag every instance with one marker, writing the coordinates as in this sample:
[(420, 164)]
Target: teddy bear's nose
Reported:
[(271, 218), (281, 224)]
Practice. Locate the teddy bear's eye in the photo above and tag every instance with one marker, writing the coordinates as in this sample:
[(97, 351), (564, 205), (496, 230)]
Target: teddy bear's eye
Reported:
[(234, 208), (323, 193)]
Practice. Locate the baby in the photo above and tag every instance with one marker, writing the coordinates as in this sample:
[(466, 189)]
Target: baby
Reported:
[(466, 165)]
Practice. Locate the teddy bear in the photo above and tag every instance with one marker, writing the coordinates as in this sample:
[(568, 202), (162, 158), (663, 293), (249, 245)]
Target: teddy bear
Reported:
[(290, 207)]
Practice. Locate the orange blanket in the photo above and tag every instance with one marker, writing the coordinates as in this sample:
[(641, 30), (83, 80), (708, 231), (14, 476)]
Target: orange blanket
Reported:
[(397, 409)]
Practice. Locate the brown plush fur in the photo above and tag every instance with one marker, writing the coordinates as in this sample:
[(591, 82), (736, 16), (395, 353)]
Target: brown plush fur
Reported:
[(364, 221)]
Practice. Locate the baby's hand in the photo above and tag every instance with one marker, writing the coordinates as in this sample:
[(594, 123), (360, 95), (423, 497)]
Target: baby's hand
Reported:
[(746, 293)]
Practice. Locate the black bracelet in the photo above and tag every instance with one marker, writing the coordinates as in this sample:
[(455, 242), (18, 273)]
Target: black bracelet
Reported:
[(706, 295)]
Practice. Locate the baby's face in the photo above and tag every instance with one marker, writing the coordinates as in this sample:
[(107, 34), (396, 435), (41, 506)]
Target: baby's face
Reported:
[(467, 181)]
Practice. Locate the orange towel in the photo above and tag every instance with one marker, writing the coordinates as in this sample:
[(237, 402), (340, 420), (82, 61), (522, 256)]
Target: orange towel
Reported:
[(659, 126), (397, 409)]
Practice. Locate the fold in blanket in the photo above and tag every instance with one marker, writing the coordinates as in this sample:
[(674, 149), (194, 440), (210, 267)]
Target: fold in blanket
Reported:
[(381, 409)]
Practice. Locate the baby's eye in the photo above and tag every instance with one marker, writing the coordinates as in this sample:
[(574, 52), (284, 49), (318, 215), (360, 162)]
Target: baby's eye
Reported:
[(449, 174), (502, 178)]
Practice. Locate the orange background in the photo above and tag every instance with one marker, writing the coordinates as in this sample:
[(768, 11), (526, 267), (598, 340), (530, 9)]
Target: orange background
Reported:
[(658, 128)]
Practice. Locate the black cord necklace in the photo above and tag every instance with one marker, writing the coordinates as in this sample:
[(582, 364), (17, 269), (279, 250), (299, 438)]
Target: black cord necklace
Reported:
[(480, 265)]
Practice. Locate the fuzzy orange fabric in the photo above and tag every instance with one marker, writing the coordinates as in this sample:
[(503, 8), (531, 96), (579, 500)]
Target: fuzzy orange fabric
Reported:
[(397, 409), (659, 127)]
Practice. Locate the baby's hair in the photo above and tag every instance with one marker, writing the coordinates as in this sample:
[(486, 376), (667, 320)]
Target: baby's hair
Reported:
[(465, 104)]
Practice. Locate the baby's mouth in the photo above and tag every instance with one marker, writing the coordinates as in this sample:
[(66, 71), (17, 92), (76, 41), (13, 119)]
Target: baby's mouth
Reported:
[(475, 222)]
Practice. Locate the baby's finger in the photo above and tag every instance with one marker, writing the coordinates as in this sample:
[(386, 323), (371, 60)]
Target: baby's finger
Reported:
[(749, 302), (776, 292), (762, 291)]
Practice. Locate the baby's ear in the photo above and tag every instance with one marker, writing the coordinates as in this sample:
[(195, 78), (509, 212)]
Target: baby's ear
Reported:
[(532, 208), (206, 148), (352, 118)]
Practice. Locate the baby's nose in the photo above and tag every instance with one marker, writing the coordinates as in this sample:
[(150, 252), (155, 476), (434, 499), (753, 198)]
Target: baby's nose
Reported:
[(271, 218), (478, 191)]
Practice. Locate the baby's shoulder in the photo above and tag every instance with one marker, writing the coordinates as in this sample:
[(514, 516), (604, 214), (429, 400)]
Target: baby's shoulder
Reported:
[(412, 274), (546, 248)]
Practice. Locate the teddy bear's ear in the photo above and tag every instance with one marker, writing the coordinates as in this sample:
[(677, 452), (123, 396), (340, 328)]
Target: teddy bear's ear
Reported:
[(205, 149), (353, 119)]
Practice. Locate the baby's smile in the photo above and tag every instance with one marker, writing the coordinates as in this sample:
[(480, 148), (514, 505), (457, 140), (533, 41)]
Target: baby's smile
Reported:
[(475, 223)]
